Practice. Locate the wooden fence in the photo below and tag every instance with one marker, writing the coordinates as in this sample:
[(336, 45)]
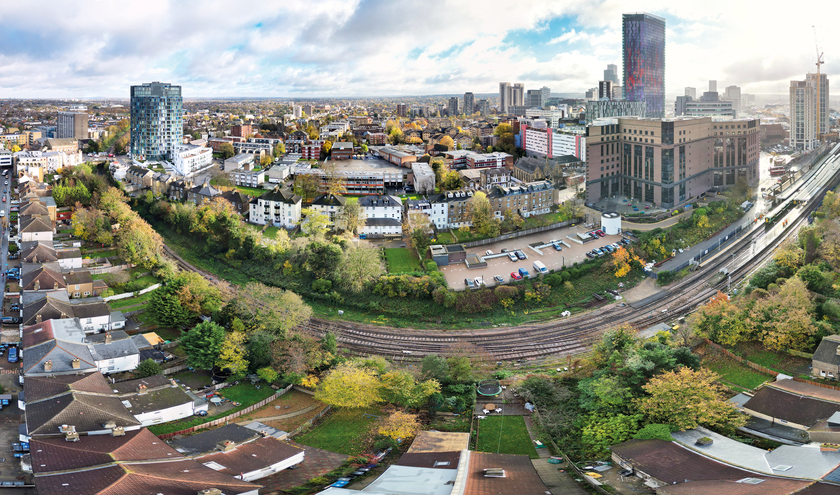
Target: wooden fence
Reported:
[(126, 295), (818, 384), (108, 269), (226, 419), (749, 364)]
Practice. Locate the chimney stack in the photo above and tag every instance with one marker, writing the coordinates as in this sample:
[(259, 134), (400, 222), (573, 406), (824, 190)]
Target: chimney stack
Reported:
[(118, 431), (70, 434), (38, 318), (210, 491), (37, 285), (107, 337), (48, 365), (226, 445), (142, 389), (76, 363)]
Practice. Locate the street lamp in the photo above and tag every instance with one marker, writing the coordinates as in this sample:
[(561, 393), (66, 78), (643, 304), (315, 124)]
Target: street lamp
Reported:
[(564, 261)]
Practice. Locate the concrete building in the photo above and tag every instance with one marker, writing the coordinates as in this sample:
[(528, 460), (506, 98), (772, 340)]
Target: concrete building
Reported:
[(452, 107), (342, 151), (424, 178), (488, 160), (511, 95), (605, 90), (821, 96), (551, 143), (157, 124), (709, 105), (643, 48), (484, 107), (692, 92), (189, 159), (733, 94), (667, 162), (72, 124), (402, 110), (241, 130), (279, 207), (469, 103), (600, 109), (552, 116), (803, 118)]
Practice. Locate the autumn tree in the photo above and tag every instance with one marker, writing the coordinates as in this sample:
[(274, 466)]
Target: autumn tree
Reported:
[(307, 186), (790, 256), (298, 355), (203, 344), (232, 355), (829, 247), (139, 244), (419, 229), (687, 399), (351, 217), (349, 385), (783, 320), (480, 212), (271, 309), (279, 149), (620, 261), (603, 431), (447, 141), (314, 223), (358, 266), (183, 299), (439, 167), (399, 425), (399, 387), (227, 150), (721, 321), (451, 181)]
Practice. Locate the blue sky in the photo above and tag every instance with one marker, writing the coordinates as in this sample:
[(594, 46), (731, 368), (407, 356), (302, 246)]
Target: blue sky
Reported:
[(331, 48)]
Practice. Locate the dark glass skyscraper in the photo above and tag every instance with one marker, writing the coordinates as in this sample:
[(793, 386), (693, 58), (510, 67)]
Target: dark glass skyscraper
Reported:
[(643, 42), (157, 122)]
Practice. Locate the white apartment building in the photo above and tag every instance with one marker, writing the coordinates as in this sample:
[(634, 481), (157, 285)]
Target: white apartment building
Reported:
[(189, 159), (279, 207), (552, 116), (383, 215), (5, 158), (553, 142), (249, 178)]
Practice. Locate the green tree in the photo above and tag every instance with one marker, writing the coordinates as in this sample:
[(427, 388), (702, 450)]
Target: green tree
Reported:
[(435, 367), (147, 368), (323, 258), (602, 432), (259, 348), (399, 387), (232, 355), (351, 217), (480, 212), (203, 344), (279, 150), (314, 223), (227, 150), (349, 385), (359, 265)]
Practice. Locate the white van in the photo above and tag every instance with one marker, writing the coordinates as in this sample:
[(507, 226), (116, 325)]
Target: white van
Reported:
[(539, 267)]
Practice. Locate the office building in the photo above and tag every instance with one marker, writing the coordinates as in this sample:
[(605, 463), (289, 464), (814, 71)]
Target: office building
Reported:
[(546, 94), (402, 110), (733, 94), (643, 48), (605, 90), (613, 108), (157, 125), (484, 107), (541, 141), (72, 124), (297, 111), (712, 86), (469, 103), (692, 92), (452, 108), (667, 162), (611, 74), (511, 95), (533, 98), (241, 130)]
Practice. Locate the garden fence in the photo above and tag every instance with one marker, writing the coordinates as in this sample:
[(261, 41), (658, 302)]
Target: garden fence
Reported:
[(818, 384), (108, 269), (305, 425), (571, 465), (126, 295), (745, 362), (224, 420)]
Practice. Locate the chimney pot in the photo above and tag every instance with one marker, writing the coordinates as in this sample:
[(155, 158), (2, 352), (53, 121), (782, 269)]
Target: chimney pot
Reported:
[(48, 365), (76, 363), (142, 389), (118, 431), (107, 337)]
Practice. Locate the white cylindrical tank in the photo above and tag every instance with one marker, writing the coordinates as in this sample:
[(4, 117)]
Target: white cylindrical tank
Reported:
[(611, 223)]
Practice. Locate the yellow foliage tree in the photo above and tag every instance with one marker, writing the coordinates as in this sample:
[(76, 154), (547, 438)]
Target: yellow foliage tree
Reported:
[(447, 141), (400, 425), (232, 355), (621, 262), (349, 385), (399, 387)]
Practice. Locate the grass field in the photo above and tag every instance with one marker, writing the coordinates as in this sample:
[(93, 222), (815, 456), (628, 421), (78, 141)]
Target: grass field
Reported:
[(344, 431), (734, 372), (130, 301), (779, 361), (401, 260), (505, 435)]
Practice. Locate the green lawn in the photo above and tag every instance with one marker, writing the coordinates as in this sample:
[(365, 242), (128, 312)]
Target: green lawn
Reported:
[(244, 393), (505, 435), (734, 372), (778, 361), (100, 254), (130, 301), (444, 238), (401, 260), (344, 431)]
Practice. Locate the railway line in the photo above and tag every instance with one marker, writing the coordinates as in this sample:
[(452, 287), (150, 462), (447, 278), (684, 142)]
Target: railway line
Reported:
[(560, 338)]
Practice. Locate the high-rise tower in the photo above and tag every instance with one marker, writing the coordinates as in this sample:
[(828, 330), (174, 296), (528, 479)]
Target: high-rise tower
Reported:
[(157, 124), (643, 48)]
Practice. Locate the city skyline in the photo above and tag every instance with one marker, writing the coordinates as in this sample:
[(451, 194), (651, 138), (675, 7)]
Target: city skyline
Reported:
[(334, 49)]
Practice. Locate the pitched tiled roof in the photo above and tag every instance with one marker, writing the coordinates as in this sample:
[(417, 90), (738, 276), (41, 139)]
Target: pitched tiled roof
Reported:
[(252, 456), (69, 253), (37, 334), (61, 353), (436, 460), (57, 454), (42, 278), (281, 195), (520, 476), (329, 200), (791, 407), (49, 307), (151, 383), (33, 207), (38, 252), (827, 350), (770, 486), (78, 277), (90, 309), (206, 441), (35, 223), (84, 411), (43, 387)]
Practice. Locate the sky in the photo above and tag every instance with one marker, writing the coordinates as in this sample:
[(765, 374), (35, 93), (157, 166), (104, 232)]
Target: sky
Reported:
[(356, 48)]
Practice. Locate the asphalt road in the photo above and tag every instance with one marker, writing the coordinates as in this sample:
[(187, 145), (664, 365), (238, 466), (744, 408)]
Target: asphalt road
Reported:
[(4, 240)]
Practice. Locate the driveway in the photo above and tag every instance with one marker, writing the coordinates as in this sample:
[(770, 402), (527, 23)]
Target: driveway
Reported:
[(554, 260)]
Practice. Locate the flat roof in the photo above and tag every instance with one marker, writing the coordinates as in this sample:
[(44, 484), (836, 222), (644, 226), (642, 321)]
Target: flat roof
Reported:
[(439, 441)]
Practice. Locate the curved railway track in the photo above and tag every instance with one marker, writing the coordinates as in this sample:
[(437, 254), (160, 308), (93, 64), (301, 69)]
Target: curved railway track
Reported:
[(557, 338)]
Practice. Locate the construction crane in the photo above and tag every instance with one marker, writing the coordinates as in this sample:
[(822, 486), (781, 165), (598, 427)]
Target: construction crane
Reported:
[(819, 82)]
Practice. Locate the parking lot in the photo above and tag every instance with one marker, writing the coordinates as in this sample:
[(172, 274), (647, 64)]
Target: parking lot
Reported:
[(553, 259)]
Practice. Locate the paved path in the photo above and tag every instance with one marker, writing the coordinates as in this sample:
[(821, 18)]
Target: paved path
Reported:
[(281, 416), (664, 224), (559, 482)]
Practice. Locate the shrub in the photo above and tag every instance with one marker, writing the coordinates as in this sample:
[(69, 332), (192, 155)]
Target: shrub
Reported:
[(147, 368), (502, 374), (322, 286), (431, 266), (566, 275), (554, 280), (506, 292), (475, 301), (319, 480), (381, 442), (654, 431)]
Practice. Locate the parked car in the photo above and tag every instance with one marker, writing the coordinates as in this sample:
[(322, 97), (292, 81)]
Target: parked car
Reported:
[(521, 255), (598, 252), (625, 241), (512, 257), (515, 276), (488, 252), (591, 254), (499, 279), (469, 283), (524, 273), (557, 246), (608, 249), (478, 282), (13, 354), (600, 233)]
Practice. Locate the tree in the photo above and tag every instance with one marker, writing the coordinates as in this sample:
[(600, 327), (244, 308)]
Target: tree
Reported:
[(314, 223), (447, 141), (15, 148), (203, 344), (358, 266), (351, 217), (196, 135), (435, 367), (480, 212), (279, 150), (265, 160), (439, 168), (687, 399), (232, 355), (307, 186), (399, 387), (182, 300), (419, 228), (147, 368), (399, 425), (139, 244), (790, 256), (322, 258), (783, 320), (451, 181), (271, 309), (349, 385), (621, 262), (227, 150), (602, 432)]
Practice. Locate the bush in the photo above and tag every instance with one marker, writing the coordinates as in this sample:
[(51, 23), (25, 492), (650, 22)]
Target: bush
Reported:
[(554, 280), (381, 442), (502, 374), (654, 431), (322, 286), (319, 480), (506, 292), (431, 266), (566, 275), (147, 368)]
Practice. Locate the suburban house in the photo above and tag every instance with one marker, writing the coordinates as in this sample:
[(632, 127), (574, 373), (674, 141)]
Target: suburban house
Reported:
[(80, 284), (238, 199), (38, 277), (383, 216), (280, 207), (114, 352), (124, 462), (330, 205), (178, 190), (139, 177), (36, 207), (490, 177), (158, 399), (35, 228), (38, 252), (252, 460), (202, 194), (69, 259), (826, 360), (161, 182), (530, 198), (93, 314)]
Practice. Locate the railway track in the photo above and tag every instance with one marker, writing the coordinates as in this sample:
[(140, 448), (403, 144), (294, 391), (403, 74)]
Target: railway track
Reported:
[(559, 338)]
